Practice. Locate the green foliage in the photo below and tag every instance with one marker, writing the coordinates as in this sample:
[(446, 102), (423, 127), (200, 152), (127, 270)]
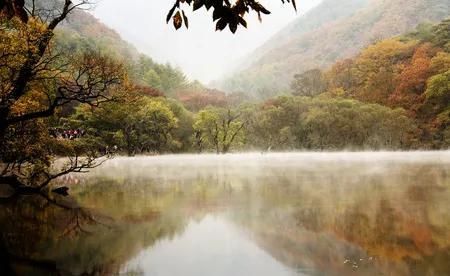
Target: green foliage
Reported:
[(440, 62), (139, 125), (218, 129), (439, 87), (74, 38), (162, 77), (326, 123), (181, 135), (438, 92), (441, 36)]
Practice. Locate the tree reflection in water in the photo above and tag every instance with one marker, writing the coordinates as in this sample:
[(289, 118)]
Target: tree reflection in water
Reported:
[(330, 217), (44, 235), (30, 224)]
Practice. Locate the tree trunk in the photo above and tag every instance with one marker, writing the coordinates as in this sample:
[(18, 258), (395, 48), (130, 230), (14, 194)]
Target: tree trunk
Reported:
[(18, 186), (4, 111), (226, 148)]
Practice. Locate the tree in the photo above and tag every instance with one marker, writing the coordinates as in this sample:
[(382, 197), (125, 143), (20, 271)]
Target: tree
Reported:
[(162, 77), (135, 124), (226, 12), (412, 79), (197, 99), (183, 133), (218, 128), (341, 76), (438, 92), (309, 83), (327, 123), (376, 69), (442, 34), (37, 80), (440, 62)]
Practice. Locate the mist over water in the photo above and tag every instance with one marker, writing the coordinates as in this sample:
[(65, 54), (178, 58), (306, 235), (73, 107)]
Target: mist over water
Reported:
[(252, 164), (342, 213), (80, 85), (284, 213)]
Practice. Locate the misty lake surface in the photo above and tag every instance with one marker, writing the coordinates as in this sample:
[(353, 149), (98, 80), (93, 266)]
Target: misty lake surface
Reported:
[(365, 213)]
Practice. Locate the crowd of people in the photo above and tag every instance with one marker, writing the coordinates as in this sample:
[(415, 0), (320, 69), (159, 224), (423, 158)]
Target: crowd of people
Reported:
[(70, 134)]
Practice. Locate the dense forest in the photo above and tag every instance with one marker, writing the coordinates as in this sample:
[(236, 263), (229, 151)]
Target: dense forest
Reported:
[(90, 94), (393, 95), (331, 31), (313, 118)]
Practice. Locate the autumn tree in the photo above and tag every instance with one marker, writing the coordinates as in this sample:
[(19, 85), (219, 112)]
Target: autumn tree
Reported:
[(197, 99), (309, 83), (412, 79), (36, 81)]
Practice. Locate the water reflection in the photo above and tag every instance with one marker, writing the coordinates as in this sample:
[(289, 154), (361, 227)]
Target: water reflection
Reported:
[(211, 246), (250, 214)]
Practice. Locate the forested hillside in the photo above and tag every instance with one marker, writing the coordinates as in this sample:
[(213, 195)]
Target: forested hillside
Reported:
[(411, 72), (394, 94), (143, 118), (328, 155), (94, 93), (331, 31), (82, 32)]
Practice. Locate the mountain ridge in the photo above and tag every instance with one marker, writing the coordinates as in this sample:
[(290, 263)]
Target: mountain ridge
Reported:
[(275, 64)]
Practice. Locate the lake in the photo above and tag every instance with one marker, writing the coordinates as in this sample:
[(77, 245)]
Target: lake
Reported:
[(363, 213)]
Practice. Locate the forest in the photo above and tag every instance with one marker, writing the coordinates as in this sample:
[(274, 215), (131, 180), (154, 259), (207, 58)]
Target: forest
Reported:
[(325, 150), (68, 92), (392, 95)]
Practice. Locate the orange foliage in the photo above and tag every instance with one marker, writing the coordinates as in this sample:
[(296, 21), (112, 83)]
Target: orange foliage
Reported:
[(412, 80), (341, 75), (148, 91), (196, 100)]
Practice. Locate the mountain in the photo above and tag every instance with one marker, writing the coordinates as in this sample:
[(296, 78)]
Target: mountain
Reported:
[(83, 27), (82, 31), (332, 31)]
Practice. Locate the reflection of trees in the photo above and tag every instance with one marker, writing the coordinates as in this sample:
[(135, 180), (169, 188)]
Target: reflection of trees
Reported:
[(397, 219), (56, 236), (30, 222), (305, 219), (311, 218)]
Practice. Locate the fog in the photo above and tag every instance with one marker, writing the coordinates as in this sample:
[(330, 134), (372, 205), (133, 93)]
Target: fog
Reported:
[(264, 166), (201, 52)]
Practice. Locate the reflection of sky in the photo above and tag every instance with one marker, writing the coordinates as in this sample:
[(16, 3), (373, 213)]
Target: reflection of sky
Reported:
[(312, 212), (209, 247), (201, 52)]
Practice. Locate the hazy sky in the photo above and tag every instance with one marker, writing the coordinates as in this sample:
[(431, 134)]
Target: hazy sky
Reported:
[(201, 52)]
